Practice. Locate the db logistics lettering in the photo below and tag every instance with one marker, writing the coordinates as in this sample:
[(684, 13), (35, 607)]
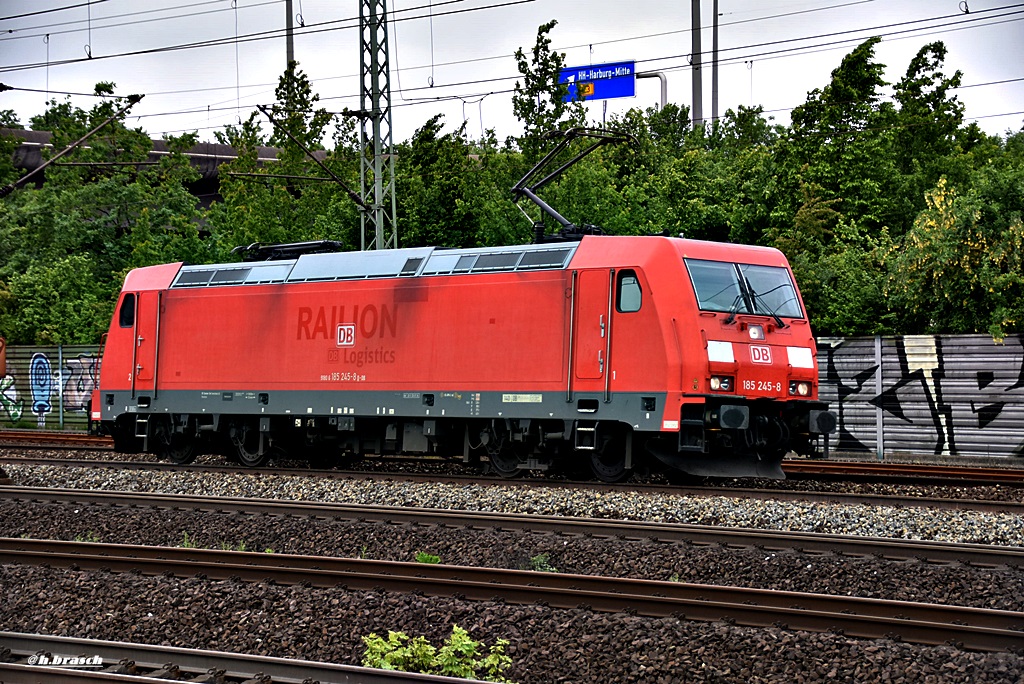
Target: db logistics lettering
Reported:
[(368, 358)]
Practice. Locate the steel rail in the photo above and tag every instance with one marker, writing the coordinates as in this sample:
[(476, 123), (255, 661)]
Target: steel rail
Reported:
[(889, 471), (192, 661), (972, 628), (54, 438), (977, 555), (846, 498)]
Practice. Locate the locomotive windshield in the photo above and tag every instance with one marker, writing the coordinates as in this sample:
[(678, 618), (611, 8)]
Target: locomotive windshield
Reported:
[(743, 288)]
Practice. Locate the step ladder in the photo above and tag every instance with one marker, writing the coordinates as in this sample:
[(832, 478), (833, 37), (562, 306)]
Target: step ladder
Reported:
[(142, 431), (586, 435)]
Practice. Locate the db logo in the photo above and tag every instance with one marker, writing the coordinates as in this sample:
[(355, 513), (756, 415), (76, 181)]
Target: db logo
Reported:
[(347, 335), (760, 354)]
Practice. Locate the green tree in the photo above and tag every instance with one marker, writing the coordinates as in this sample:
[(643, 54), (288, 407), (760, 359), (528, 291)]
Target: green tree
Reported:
[(295, 115), (66, 246), (926, 135), (9, 119), (436, 207), (283, 201), (8, 144), (838, 142), (960, 269), (53, 303), (539, 102), (840, 271)]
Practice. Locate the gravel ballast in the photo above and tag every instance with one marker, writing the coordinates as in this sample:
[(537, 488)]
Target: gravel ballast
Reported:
[(547, 645)]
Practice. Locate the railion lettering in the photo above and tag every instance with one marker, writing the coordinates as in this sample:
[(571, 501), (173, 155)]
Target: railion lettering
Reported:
[(371, 320)]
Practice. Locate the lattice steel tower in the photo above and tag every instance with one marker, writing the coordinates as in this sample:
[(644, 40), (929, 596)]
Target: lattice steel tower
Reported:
[(377, 164)]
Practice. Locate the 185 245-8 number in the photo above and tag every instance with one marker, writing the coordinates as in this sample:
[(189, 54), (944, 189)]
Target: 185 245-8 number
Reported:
[(762, 386)]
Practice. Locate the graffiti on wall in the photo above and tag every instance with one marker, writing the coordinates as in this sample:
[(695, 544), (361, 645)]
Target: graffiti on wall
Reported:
[(36, 386), (9, 399), (927, 395)]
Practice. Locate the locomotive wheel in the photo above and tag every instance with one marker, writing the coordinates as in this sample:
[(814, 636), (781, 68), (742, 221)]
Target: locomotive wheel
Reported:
[(505, 462), (172, 446), (609, 463), (609, 467), (246, 440)]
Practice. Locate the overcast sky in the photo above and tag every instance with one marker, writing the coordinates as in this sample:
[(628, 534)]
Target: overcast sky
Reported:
[(454, 57)]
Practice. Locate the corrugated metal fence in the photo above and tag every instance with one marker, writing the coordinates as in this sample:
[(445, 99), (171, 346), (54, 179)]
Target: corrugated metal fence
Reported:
[(48, 387), (927, 395)]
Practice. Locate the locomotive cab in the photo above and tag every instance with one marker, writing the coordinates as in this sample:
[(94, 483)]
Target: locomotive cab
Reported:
[(749, 393)]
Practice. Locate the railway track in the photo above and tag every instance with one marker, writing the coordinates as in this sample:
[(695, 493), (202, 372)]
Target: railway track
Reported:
[(911, 500), (977, 555), (800, 469), (970, 628), (54, 439), (903, 472), (141, 662)]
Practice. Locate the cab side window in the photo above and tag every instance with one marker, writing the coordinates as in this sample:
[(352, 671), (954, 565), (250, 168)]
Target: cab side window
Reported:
[(126, 316), (627, 292)]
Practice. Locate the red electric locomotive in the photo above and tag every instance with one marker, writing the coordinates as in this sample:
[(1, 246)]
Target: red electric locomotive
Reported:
[(606, 350)]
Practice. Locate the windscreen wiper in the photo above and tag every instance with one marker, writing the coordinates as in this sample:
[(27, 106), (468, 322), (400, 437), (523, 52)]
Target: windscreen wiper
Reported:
[(758, 298), (734, 309)]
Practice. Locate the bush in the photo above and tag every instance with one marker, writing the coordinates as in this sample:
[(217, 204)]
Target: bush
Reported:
[(429, 558), (458, 657)]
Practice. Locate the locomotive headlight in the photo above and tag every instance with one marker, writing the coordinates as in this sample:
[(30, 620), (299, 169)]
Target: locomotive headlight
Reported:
[(800, 388), (721, 383)]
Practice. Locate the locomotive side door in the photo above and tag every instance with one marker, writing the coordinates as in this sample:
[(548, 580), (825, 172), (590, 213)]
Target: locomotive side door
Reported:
[(593, 326), (147, 330)]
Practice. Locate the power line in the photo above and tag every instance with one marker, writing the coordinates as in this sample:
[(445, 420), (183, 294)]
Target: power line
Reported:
[(315, 28), (51, 92), (261, 36), (465, 96), (50, 11), (806, 49), (444, 98), (871, 30), (258, 36), (805, 38), (47, 30), (799, 50)]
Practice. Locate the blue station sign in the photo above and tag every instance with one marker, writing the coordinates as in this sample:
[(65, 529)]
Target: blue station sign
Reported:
[(599, 81)]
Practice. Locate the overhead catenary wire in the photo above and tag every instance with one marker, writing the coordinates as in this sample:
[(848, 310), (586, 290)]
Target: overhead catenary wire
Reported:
[(950, 26), (323, 26), (16, 33), (763, 55), (467, 97), (51, 10), (760, 55), (271, 34)]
